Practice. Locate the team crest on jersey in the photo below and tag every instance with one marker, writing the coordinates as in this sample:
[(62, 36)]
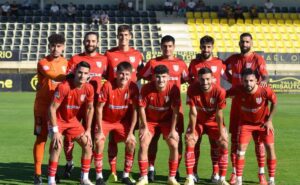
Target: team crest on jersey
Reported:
[(248, 65), (115, 69), (64, 69), (132, 59), (99, 64), (46, 68), (56, 94), (176, 67), (212, 100), (126, 96), (258, 100), (167, 99), (82, 97), (214, 68)]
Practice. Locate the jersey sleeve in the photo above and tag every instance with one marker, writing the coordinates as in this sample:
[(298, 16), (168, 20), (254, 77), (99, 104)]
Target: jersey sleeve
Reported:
[(104, 93), (221, 99), (71, 65), (185, 72), (60, 93), (271, 96), (232, 92), (228, 67), (190, 71), (90, 94), (262, 66), (190, 99), (47, 71), (146, 72), (143, 97), (175, 96), (134, 94)]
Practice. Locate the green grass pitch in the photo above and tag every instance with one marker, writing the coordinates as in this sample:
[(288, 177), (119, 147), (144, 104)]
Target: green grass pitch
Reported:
[(16, 161)]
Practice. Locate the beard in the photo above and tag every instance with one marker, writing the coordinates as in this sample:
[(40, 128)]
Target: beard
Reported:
[(245, 50), (206, 55), (90, 49)]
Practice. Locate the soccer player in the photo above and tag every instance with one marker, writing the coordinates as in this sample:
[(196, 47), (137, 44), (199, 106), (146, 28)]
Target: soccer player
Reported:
[(206, 101), (51, 71), (178, 74), (256, 119), (159, 107), (206, 59), (68, 98), (113, 115), (98, 65), (234, 67), (123, 52)]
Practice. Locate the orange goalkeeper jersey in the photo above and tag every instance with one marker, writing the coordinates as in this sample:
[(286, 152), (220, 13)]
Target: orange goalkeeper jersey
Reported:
[(50, 73)]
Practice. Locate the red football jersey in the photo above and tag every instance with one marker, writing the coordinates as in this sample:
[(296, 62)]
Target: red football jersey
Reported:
[(215, 64), (237, 62), (71, 98), (206, 103), (158, 105), (117, 101), (177, 69), (115, 56), (253, 107), (98, 65)]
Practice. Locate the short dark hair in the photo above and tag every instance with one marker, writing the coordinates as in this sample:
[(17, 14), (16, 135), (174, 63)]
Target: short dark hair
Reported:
[(124, 66), (249, 71), (204, 70), (161, 69), (167, 38), (91, 33), (123, 28), (56, 38), (83, 64), (207, 40), (246, 34)]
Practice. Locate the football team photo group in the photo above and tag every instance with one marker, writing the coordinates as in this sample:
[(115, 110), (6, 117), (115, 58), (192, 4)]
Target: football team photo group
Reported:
[(96, 101)]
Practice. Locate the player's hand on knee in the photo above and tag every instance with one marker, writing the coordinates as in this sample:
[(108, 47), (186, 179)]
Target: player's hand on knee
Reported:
[(269, 127), (88, 136), (144, 133), (130, 138), (173, 135), (190, 137), (56, 141)]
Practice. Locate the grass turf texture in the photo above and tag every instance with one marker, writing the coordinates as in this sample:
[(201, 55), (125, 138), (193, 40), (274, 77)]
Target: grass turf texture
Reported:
[(16, 161)]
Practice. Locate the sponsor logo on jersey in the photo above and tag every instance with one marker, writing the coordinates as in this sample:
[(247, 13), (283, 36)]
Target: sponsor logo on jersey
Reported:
[(212, 100), (248, 65), (176, 67), (82, 97), (46, 68), (132, 59), (258, 100), (167, 99), (99, 64), (214, 69)]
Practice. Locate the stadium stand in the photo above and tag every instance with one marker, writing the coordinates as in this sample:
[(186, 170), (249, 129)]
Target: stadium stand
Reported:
[(33, 27), (277, 32)]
